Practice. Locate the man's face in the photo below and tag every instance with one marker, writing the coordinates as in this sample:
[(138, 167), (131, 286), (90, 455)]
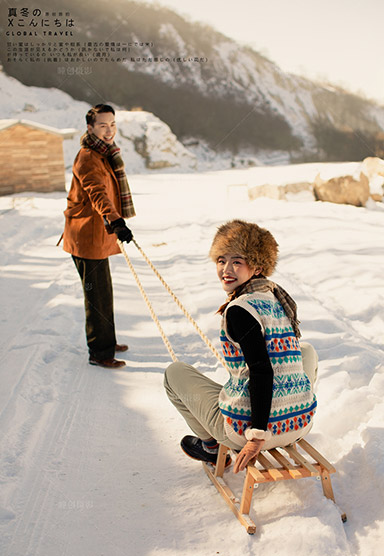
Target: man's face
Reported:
[(104, 127)]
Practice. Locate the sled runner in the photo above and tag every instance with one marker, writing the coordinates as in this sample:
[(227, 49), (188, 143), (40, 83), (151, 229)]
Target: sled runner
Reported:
[(297, 461), (276, 464)]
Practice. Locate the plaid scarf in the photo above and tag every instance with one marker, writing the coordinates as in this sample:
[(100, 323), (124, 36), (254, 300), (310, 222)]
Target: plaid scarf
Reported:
[(263, 285), (112, 152)]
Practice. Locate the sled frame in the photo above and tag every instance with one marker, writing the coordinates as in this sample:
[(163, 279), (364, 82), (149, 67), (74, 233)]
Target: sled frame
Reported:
[(276, 464)]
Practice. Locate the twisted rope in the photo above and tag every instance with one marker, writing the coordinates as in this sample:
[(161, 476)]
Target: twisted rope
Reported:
[(153, 314), (205, 339)]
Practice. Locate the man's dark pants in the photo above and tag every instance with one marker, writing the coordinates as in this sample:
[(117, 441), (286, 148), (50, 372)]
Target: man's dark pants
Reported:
[(98, 301)]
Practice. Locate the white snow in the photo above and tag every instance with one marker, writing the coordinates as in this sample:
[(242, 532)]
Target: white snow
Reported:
[(4, 124), (90, 462)]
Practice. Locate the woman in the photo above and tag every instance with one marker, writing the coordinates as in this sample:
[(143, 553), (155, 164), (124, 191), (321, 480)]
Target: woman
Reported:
[(268, 400)]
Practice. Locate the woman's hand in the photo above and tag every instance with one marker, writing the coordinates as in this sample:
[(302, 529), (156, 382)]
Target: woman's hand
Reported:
[(250, 451)]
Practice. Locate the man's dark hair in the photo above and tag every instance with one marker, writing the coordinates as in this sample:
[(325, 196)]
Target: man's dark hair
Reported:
[(98, 109)]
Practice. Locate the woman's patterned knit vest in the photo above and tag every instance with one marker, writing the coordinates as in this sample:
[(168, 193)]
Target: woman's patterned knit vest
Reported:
[(293, 401)]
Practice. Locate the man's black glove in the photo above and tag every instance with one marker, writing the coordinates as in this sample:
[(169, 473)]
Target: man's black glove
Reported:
[(120, 229)]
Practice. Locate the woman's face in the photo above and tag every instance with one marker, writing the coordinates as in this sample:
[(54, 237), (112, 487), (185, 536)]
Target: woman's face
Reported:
[(233, 271)]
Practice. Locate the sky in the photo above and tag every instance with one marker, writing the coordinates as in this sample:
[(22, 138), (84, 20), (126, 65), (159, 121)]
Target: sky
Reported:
[(339, 41)]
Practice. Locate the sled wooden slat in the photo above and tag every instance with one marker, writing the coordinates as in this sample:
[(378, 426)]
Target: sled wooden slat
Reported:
[(257, 474), (288, 466), (295, 467), (317, 456), (300, 460), (271, 470)]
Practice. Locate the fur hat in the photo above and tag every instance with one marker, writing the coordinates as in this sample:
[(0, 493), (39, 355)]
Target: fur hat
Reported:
[(257, 245)]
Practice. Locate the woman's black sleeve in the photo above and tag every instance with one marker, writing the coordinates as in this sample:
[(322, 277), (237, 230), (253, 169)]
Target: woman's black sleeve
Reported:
[(246, 331)]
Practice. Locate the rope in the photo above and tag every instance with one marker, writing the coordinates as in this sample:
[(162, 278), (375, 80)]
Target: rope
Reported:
[(177, 301), (153, 314)]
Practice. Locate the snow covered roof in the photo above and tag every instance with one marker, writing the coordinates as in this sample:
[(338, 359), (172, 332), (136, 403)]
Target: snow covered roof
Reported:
[(67, 133)]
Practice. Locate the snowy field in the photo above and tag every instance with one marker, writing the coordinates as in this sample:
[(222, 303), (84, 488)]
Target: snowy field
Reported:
[(89, 458)]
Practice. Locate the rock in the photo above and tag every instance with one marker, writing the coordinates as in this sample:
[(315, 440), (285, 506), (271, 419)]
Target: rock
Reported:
[(279, 191), (154, 141), (373, 168), (343, 190), (318, 180), (29, 108), (377, 197), (265, 190), (294, 188)]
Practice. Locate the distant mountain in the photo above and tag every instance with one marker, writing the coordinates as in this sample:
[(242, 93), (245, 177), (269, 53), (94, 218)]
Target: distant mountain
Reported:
[(232, 98)]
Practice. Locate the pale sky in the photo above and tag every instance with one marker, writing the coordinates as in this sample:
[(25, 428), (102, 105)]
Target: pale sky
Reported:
[(336, 40)]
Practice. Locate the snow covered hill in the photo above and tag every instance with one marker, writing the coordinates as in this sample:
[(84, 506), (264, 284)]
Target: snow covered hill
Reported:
[(89, 459), (204, 85), (240, 73), (147, 143)]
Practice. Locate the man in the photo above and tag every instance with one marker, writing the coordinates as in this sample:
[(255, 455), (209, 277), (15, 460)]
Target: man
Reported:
[(98, 202)]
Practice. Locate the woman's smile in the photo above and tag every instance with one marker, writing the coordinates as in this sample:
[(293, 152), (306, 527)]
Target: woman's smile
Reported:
[(233, 270)]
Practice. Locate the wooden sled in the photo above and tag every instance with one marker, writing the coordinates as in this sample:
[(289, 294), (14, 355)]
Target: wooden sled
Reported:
[(273, 465)]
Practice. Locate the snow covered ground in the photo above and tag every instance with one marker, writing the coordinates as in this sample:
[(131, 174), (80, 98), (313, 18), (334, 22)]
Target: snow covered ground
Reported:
[(89, 458)]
